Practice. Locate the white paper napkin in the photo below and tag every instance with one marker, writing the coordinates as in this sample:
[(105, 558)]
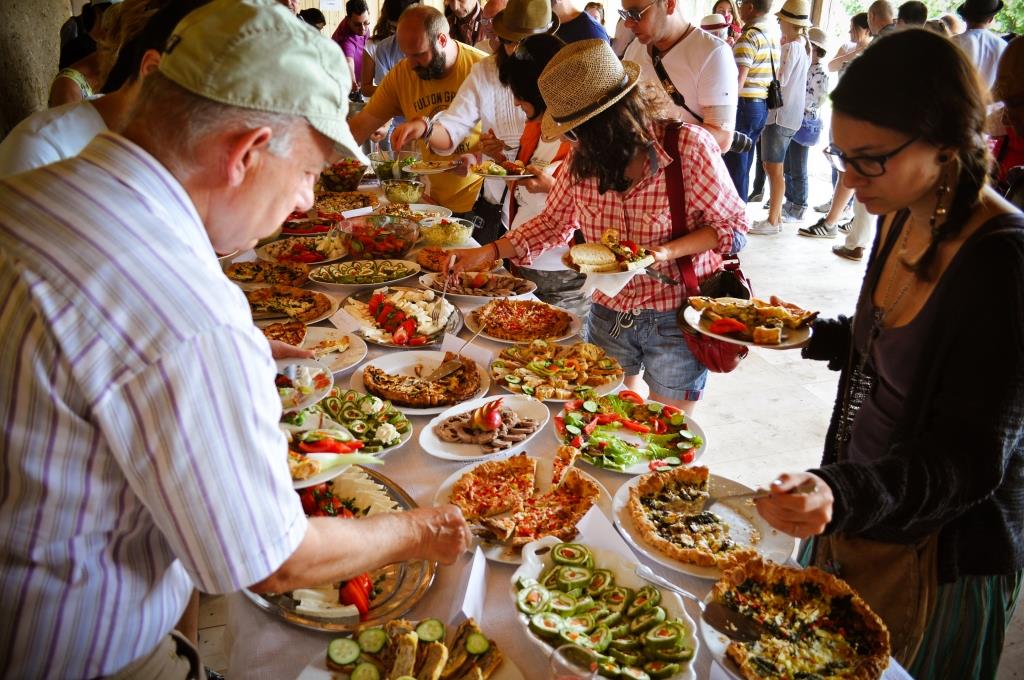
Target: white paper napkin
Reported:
[(611, 284), (473, 587), (345, 322)]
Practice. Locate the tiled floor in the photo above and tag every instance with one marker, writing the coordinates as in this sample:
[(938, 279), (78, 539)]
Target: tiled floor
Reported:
[(768, 416)]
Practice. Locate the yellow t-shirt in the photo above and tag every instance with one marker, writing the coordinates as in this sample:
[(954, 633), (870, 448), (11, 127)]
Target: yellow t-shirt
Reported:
[(403, 93)]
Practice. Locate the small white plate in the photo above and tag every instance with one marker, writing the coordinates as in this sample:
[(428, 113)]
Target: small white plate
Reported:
[(435, 282), (742, 519), (318, 393), (331, 464), (336, 361), (502, 553), (792, 338), (405, 363), (622, 568), (412, 267), (507, 178), (524, 406), (575, 326), (335, 304)]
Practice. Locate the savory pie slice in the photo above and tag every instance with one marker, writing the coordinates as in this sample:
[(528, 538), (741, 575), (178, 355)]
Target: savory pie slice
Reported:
[(290, 332), (262, 271), (414, 392), (331, 345), (299, 304), (302, 467), (555, 513), (818, 627), (565, 458), (667, 509), (495, 487)]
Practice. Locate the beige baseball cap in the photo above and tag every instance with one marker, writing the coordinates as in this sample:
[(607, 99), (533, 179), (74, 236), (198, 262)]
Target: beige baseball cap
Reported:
[(255, 54)]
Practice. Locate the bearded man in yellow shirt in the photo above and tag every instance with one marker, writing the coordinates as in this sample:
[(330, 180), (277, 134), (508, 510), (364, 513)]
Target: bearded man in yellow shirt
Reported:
[(420, 86)]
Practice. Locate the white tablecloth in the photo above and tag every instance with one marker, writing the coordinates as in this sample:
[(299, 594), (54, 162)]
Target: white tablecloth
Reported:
[(261, 646)]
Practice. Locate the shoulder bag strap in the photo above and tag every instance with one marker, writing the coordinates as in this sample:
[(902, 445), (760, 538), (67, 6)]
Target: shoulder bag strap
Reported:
[(677, 204), (666, 80), (771, 55)]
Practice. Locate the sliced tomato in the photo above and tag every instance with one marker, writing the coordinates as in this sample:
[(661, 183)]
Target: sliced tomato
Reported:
[(727, 326), (400, 336), (631, 396), (688, 456), (375, 302), (659, 426), (560, 425), (409, 325), (352, 592), (325, 445), (418, 340), (321, 381), (577, 441), (633, 247), (669, 411), (574, 405), (606, 418), (592, 425), (635, 426)]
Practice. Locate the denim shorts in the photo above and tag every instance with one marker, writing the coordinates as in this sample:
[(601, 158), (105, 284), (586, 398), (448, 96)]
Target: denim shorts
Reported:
[(774, 142), (654, 343)]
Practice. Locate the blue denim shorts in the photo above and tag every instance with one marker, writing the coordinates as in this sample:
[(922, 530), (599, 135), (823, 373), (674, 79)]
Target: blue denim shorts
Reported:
[(774, 141), (654, 343)]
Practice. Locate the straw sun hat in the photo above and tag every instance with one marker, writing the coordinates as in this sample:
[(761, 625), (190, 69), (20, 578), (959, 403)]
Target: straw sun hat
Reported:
[(582, 80), (796, 12)]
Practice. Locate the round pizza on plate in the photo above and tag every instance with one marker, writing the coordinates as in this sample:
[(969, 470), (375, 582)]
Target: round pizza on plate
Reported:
[(296, 303), (521, 320)]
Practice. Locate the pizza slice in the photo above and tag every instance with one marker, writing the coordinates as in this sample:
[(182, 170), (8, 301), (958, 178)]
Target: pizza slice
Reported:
[(555, 513), (297, 303), (495, 487), (330, 345), (290, 332), (565, 458)]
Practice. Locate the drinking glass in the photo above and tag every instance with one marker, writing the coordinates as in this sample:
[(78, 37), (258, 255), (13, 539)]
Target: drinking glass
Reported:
[(572, 662)]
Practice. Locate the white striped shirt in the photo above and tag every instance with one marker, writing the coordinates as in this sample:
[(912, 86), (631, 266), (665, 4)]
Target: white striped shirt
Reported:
[(140, 452)]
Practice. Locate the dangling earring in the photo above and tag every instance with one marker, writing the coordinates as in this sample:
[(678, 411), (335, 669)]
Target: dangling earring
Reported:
[(935, 222)]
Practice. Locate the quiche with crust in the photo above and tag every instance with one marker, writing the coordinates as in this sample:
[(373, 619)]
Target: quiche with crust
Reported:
[(297, 303), (667, 509), (289, 332), (263, 271), (415, 392), (818, 627)]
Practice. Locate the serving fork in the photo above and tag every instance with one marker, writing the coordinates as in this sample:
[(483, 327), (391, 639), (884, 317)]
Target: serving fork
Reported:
[(435, 313)]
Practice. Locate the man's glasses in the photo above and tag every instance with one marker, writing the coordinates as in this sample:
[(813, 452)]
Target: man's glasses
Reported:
[(865, 166), (635, 15)]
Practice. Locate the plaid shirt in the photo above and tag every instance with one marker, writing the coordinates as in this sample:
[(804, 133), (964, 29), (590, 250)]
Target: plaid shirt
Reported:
[(642, 215)]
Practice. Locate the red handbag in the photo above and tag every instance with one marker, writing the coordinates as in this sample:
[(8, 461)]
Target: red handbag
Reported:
[(717, 355)]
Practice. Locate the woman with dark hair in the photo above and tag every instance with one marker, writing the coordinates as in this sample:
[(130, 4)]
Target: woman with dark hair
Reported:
[(520, 73), (727, 8), (617, 176), (919, 501)]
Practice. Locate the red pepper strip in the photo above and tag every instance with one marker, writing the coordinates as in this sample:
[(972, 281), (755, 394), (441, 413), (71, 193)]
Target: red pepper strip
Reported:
[(669, 411), (591, 426), (326, 445), (633, 247), (606, 418), (635, 426), (631, 396), (577, 441), (659, 426), (726, 326), (354, 593), (560, 425), (688, 456)]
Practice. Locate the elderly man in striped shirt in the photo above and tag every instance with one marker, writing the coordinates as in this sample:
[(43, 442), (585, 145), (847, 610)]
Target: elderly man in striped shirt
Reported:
[(141, 454)]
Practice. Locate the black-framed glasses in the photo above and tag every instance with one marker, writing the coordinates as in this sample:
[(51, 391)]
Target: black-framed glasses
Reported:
[(866, 166), (635, 15)]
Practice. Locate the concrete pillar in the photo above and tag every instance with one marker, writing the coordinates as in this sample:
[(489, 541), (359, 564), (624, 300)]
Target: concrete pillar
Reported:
[(29, 50)]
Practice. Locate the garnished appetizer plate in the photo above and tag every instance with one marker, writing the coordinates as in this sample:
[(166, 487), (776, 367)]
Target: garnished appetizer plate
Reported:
[(361, 273), (489, 427), (478, 287), (402, 317)]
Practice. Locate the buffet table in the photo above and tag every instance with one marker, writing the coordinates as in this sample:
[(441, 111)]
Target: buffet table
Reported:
[(260, 645)]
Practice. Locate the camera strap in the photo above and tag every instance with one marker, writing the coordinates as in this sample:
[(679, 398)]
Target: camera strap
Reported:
[(666, 80), (771, 53)]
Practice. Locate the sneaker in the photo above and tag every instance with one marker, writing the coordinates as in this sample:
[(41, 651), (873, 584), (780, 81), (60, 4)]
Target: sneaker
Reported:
[(820, 229), (824, 207), (764, 228), (756, 198), (791, 217), (856, 254), (846, 226)]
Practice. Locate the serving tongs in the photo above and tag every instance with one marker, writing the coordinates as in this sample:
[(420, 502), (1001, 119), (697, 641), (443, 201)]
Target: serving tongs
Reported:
[(728, 622), (449, 367)]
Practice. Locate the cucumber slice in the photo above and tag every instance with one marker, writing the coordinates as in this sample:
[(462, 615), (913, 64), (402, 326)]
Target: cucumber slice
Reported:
[(575, 637), (585, 603), (372, 640), (624, 644), (617, 599), (365, 671), (609, 618), (550, 578), (599, 638), (343, 651), (477, 644), (430, 630), (620, 631), (525, 582)]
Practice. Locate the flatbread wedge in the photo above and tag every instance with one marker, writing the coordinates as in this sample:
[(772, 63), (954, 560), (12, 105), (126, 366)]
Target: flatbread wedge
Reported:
[(555, 513), (299, 304), (495, 487)]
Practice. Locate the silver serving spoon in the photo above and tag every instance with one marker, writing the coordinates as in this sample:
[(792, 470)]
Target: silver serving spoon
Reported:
[(730, 623)]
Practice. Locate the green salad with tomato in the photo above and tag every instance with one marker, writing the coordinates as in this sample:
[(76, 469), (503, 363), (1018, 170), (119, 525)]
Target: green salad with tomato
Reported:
[(624, 432)]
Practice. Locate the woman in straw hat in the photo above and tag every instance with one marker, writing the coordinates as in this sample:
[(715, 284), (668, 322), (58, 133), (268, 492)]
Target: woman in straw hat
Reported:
[(925, 522), (783, 122), (616, 177)]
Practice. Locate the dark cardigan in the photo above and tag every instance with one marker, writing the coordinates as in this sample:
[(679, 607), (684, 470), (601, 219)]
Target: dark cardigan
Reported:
[(955, 460)]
